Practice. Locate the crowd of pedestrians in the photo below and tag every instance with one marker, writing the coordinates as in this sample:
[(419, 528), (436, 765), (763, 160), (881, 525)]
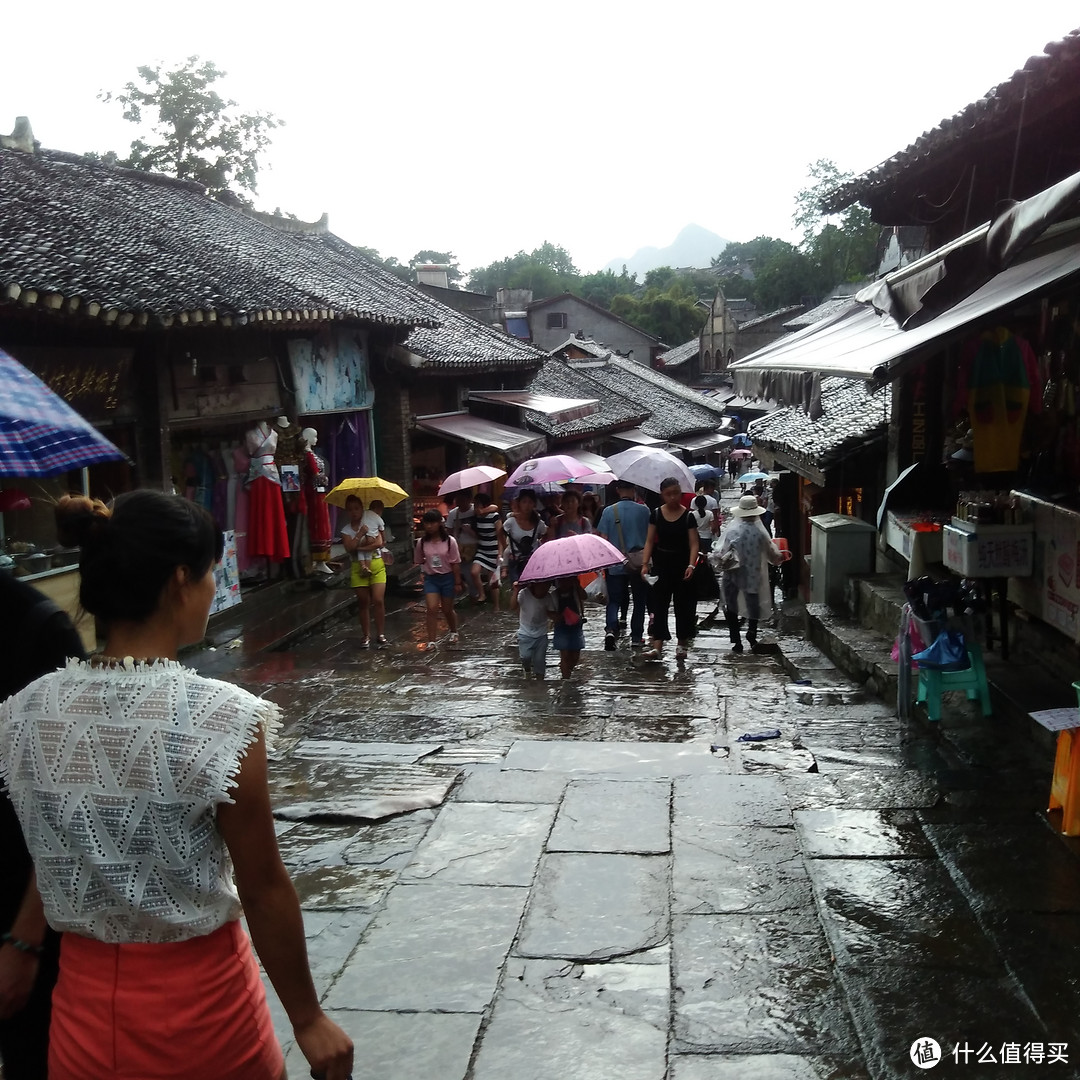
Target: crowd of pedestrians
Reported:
[(479, 549)]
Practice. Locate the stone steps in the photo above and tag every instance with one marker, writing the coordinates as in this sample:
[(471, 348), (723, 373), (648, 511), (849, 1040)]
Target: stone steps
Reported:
[(861, 654)]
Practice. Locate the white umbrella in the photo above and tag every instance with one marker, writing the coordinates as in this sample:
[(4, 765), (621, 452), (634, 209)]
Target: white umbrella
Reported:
[(649, 467), (472, 477)]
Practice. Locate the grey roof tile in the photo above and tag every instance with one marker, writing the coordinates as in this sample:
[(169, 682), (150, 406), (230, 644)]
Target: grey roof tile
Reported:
[(850, 417), (559, 379)]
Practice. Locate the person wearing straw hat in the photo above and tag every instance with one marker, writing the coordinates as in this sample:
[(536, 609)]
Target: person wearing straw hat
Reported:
[(746, 551)]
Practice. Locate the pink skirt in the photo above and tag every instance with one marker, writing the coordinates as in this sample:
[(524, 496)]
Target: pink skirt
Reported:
[(162, 1012)]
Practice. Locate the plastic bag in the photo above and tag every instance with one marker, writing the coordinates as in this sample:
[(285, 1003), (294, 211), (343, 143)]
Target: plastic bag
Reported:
[(947, 653), (597, 589)]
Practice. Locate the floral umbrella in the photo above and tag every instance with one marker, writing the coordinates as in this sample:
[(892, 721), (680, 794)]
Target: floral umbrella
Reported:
[(570, 556)]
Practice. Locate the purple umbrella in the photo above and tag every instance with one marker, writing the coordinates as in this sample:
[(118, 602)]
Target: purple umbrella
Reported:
[(570, 556), (548, 470), (40, 433)]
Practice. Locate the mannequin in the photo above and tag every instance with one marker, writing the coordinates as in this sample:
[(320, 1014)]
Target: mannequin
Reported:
[(267, 535), (315, 487), (291, 453)]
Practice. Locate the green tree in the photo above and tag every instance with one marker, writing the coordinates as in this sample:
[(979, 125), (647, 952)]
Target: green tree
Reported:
[(843, 247), (672, 315), (603, 286), (548, 270), (195, 134)]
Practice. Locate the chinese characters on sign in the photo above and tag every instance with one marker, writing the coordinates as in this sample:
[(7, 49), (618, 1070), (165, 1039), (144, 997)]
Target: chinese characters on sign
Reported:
[(989, 551)]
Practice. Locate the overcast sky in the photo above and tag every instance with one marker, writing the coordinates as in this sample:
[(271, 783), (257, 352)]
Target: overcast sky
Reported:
[(486, 129)]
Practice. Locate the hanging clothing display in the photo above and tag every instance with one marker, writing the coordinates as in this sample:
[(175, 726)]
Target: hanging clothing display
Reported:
[(267, 533), (241, 463), (315, 488), (997, 373)]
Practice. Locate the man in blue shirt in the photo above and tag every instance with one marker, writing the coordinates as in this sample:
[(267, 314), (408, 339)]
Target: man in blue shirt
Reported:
[(625, 524)]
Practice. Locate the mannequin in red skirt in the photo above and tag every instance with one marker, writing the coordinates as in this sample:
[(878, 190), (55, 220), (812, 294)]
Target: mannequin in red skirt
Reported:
[(268, 537)]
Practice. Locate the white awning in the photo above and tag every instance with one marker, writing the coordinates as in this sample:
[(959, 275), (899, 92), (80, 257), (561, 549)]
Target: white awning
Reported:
[(558, 409), (861, 343), (466, 428), (637, 437), (713, 440)]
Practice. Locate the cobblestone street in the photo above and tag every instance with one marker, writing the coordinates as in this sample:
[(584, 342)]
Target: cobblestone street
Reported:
[(597, 878)]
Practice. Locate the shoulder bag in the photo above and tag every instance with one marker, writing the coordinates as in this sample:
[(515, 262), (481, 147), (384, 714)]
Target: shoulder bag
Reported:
[(634, 559)]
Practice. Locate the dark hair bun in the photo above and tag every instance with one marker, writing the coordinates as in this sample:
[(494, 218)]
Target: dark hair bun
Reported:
[(79, 518)]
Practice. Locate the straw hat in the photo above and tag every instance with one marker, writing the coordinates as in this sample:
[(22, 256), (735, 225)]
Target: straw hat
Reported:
[(748, 507)]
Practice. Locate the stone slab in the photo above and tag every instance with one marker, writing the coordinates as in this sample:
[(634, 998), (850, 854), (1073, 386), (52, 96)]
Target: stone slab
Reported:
[(577, 1022), (642, 759), (483, 844), (708, 802), (861, 834), (738, 869), (902, 911), (432, 948), (763, 1067), (405, 1046), (615, 816), (1015, 866), (756, 984), (596, 906), (489, 783)]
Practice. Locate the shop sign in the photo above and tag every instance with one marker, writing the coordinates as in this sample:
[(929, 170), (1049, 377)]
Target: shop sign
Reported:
[(1052, 593), (226, 577), (94, 382), (989, 550), (330, 373)]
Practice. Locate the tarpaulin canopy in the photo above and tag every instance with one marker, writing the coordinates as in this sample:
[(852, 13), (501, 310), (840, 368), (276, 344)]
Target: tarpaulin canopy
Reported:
[(474, 430), (637, 437), (559, 409), (693, 444), (862, 343)]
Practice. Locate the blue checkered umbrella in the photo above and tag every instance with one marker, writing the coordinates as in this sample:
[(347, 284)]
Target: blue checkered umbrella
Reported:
[(40, 433)]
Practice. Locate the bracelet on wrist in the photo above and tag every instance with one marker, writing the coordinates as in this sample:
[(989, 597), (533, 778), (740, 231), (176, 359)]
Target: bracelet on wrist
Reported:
[(22, 946)]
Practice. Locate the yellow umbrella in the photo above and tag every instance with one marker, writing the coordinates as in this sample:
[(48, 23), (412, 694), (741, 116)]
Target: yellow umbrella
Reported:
[(366, 489)]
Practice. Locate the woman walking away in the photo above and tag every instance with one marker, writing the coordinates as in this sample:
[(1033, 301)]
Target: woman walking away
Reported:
[(489, 543), (749, 579), (535, 605), (590, 507), (524, 529), (704, 521), (672, 545), (572, 521), (438, 557), (141, 787), (363, 537), (569, 635)]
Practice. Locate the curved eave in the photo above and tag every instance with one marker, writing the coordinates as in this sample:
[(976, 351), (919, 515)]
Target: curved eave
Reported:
[(58, 303)]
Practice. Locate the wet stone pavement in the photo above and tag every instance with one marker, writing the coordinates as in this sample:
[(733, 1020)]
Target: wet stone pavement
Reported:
[(596, 879)]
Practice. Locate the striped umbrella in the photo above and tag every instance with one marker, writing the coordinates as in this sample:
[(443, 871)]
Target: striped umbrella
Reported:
[(40, 433)]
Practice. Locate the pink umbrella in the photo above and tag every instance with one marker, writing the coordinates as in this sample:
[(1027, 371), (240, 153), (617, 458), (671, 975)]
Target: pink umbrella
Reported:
[(570, 556), (470, 478), (547, 470), (741, 453)]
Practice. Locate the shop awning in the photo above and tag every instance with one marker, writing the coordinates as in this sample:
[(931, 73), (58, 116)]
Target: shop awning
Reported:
[(466, 428), (861, 343), (693, 444), (558, 409), (637, 437)]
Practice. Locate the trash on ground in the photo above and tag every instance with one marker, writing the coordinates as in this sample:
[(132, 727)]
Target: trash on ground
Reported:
[(759, 736)]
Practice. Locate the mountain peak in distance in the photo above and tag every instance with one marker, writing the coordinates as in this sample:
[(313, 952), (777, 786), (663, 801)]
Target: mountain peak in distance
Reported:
[(694, 246)]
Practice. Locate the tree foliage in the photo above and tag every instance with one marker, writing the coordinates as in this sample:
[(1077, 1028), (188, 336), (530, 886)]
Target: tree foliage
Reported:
[(195, 133), (672, 314)]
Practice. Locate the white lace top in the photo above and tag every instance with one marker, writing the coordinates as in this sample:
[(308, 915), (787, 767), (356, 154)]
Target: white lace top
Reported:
[(116, 774)]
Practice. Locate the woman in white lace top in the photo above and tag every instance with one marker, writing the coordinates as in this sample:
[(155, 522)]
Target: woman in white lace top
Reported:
[(141, 788)]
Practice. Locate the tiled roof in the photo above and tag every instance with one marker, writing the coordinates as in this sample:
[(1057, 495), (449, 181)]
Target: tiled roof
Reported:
[(559, 379), (822, 311), (769, 317), (132, 248), (681, 353), (850, 417), (463, 343), (673, 408), (586, 345), (1039, 81)]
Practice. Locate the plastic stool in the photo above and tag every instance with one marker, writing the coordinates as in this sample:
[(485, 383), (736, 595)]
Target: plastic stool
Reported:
[(933, 682)]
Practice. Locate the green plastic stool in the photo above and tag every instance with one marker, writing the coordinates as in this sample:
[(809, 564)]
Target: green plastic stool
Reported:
[(933, 683)]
